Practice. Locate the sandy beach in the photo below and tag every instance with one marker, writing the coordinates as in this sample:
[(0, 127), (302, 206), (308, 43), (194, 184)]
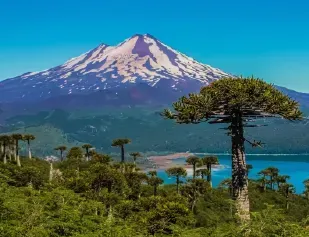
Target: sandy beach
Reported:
[(167, 161)]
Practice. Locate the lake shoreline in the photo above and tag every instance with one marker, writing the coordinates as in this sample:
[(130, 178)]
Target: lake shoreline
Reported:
[(167, 160)]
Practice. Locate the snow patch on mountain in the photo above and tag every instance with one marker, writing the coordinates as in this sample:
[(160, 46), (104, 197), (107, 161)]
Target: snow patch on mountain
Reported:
[(139, 59)]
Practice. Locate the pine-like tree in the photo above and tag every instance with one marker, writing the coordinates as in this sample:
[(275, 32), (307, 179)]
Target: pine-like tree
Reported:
[(237, 102), (27, 138), (121, 142)]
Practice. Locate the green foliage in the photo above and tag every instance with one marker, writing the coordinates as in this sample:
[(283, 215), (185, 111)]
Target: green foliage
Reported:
[(121, 142), (102, 200)]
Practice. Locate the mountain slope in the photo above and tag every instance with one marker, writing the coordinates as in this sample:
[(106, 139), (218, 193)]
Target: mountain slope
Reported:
[(140, 70), (139, 59)]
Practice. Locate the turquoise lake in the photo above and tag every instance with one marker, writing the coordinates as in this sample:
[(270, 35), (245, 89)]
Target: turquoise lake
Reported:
[(296, 166)]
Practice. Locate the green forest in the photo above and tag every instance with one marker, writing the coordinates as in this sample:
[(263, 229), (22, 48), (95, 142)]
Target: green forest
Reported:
[(99, 127), (87, 193)]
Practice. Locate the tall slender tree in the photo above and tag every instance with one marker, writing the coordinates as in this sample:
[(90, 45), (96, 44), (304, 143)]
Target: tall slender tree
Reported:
[(202, 172), (11, 149), (281, 179), (152, 173), (263, 180), (135, 155), (61, 149), (177, 172), (5, 140), (154, 181), (306, 192), (1, 146), (121, 142), (273, 173), (17, 137), (195, 161), (287, 189), (27, 138), (209, 161), (87, 147), (237, 102)]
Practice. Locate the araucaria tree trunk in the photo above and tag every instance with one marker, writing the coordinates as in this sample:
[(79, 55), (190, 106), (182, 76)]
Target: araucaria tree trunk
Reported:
[(61, 155), (239, 174), (177, 183), (29, 150), (17, 153), (51, 171), (209, 175), (155, 190), (3, 151), (122, 153), (194, 171)]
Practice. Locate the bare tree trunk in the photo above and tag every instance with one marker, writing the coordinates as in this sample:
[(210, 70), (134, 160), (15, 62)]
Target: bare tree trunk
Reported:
[(29, 151), (87, 154), (1, 148), (134, 162), (61, 155), (17, 154), (209, 175), (13, 150), (51, 172), (177, 184), (122, 154), (8, 152), (4, 154), (18, 161), (194, 170), (239, 173)]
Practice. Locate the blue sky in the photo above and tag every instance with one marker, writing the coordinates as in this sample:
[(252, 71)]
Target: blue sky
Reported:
[(269, 39)]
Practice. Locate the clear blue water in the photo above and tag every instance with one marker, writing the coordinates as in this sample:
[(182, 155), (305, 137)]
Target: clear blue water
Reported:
[(296, 166)]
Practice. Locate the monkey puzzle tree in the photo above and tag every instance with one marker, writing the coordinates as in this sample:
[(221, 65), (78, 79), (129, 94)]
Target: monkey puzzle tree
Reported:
[(154, 181), (195, 162), (101, 158), (306, 192), (152, 173), (120, 143), (202, 172), (237, 102), (209, 161), (273, 173), (286, 190), (27, 138), (87, 147), (177, 172), (193, 190), (61, 149), (17, 137), (135, 155), (5, 140), (281, 179)]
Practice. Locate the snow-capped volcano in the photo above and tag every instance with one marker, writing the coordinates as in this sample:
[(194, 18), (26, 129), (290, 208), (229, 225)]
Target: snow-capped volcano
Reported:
[(139, 59)]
